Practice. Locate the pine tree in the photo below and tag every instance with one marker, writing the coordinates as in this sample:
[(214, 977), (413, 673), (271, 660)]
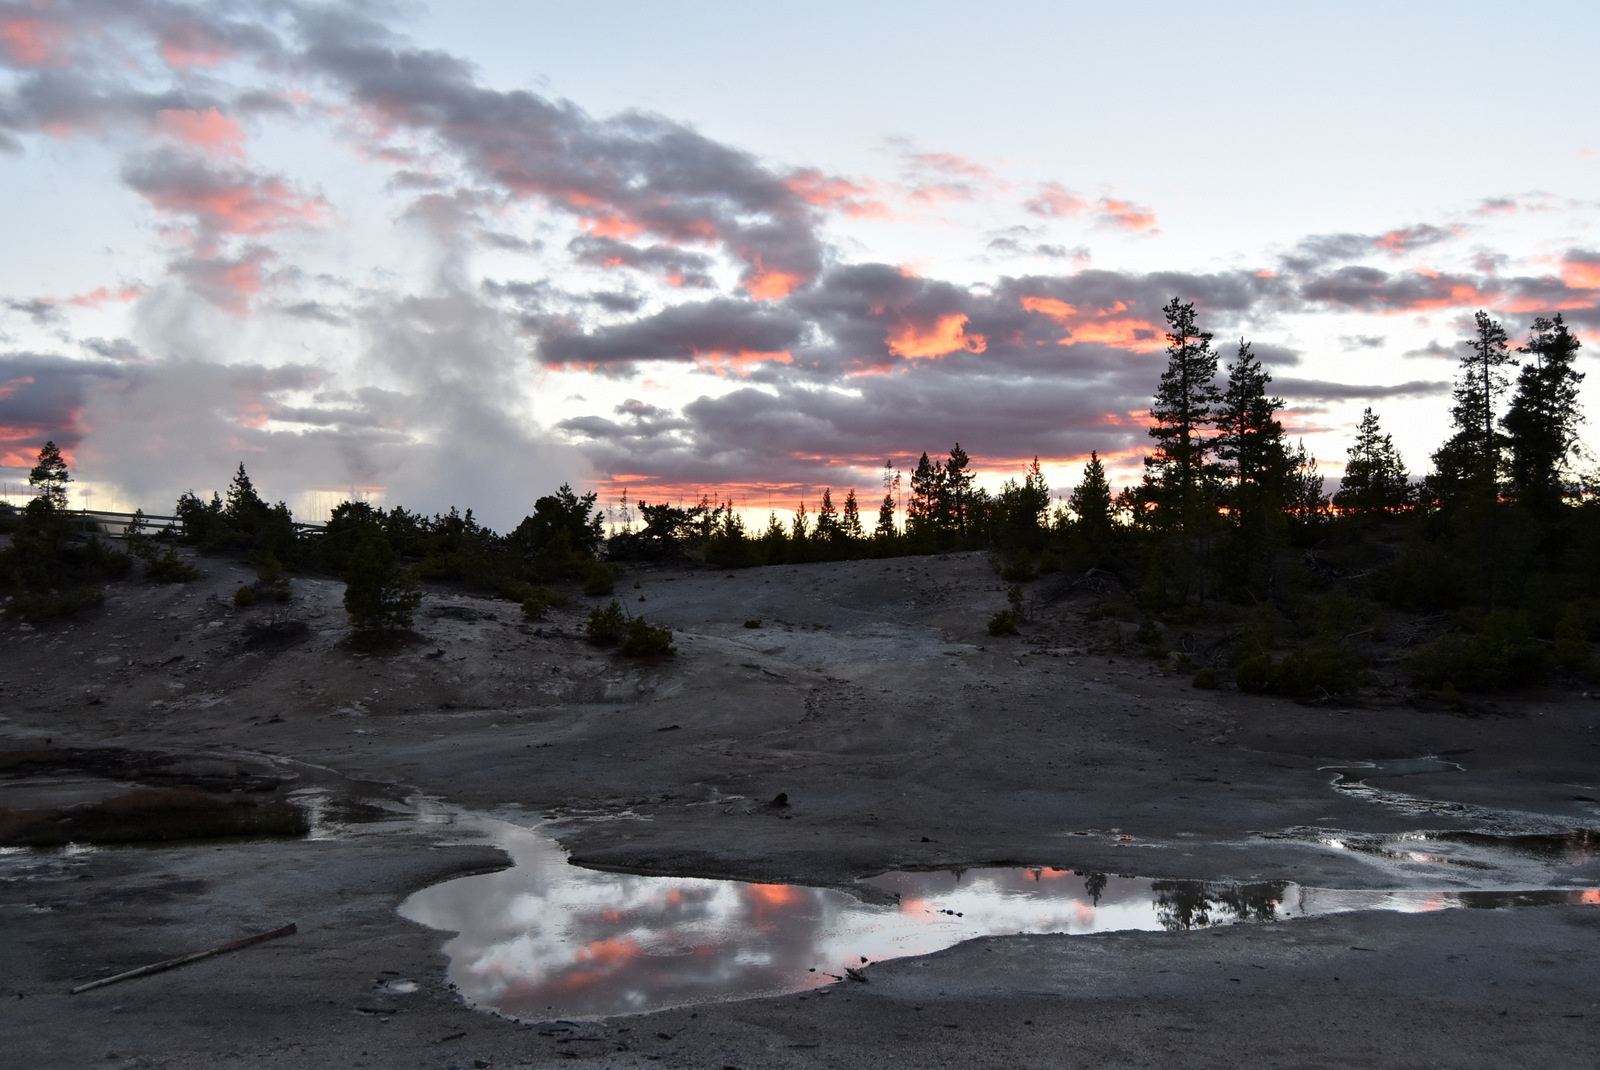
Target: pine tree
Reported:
[(378, 595), (1090, 500), (1250, 441), (243, 506), (828, 529), (1542, 423), (891, 490), (1180, 475), (956, 499), (801, 526), (1306, 501), (50, 477), (1375, 478), (1474, 453), (851, 524), (927, 498)]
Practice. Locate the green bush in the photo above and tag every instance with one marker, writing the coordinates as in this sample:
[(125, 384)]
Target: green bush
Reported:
[(606, 627), (166, 568), (1003, 623), (642, 640), (1500, 653), (1149, 636), (1018, 569), (1306, 672), (244, 596), (1572, 642), (599, 581), (534, 605), (379, 595), (753, 622), (49, 605), (1206, 680)]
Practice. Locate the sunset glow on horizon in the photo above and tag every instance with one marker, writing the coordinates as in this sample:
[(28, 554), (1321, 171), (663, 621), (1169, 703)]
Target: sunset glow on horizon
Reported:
[(460, 255)]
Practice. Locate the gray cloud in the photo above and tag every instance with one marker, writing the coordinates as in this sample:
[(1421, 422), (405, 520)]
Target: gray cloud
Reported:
[(1322, 390)]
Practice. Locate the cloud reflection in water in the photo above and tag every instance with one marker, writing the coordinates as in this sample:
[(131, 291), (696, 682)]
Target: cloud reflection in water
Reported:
[(545, 939)]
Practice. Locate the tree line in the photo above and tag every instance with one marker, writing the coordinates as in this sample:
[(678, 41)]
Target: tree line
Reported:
[(1228, 513)]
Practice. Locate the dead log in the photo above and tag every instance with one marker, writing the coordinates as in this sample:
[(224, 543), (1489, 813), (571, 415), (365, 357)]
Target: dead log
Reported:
[(184, 960)]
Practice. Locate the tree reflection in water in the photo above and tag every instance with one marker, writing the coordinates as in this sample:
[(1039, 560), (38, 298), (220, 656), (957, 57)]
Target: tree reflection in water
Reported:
[(1199, 904)]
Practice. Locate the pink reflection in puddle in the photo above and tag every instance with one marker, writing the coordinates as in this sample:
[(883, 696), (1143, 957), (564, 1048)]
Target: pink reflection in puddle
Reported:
[(545, 939)]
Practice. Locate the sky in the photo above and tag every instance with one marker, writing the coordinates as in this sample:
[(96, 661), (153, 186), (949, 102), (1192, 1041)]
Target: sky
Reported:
[(459, 254)]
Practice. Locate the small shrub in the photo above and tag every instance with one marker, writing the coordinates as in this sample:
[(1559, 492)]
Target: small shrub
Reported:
[(270, 571), (1571, 642), (1206, 680), (1018, 569), (753, 622), (38, 606), (641, 640), (1014, 597), (1253, 674), (599, 582), (1150, 637), (1502, 653), (1316, 670), (534, 605), (166, 568), (244, 596), (606, 627), (1003, 623)]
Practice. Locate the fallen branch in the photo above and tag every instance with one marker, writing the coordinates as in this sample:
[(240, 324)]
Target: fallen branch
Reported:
[(184, 960)]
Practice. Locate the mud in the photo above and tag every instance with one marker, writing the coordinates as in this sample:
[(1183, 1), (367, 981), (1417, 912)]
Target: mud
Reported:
[(904, 737)]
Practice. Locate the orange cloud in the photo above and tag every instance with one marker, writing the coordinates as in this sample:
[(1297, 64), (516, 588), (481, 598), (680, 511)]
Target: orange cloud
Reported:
[(1107, 325), (12, 386), (1059, 311), (836, 194), (209, 131), (947, 335), (764, 284), (1581, 273), (100, 295), (183, 45), (741, 362), (610, 225), (1125, 215), (32, 42), (1059, 202)]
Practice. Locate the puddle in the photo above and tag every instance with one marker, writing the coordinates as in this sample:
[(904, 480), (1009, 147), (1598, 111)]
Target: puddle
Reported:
[(1356, 775), (546, 940), (1470, 858)]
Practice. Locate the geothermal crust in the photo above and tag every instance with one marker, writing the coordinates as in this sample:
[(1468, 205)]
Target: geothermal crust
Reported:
[(902, 734)]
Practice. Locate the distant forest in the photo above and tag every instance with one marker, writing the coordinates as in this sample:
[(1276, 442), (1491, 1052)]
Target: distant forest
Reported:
[(1240, 568)]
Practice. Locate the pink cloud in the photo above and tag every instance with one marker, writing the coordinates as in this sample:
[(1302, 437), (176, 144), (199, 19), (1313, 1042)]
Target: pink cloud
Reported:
[(209, 131), (184, 45), (1058, 202), (222, 201), (29, 41)]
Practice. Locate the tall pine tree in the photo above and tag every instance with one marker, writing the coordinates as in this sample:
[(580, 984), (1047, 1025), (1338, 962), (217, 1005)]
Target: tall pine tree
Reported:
[(1180, 476), (1250, 444), (1375, 478), (1472, 457), (1542, 423), (50, 477)]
